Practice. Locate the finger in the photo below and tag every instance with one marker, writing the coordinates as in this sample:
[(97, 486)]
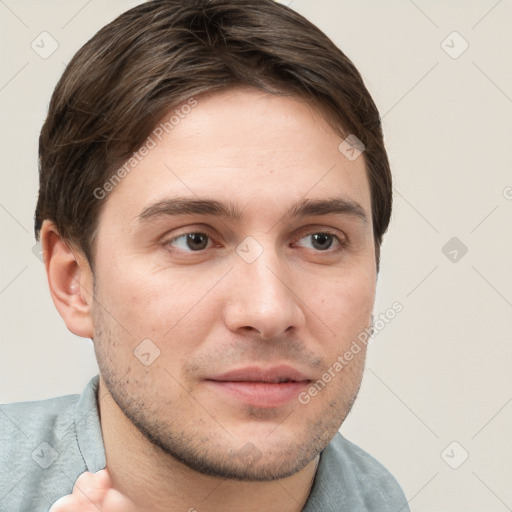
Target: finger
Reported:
[(103, 479), (100, 479), (104, 474), (63, 504), (117, 502), (91, 488), (68, 503), (88, 494)]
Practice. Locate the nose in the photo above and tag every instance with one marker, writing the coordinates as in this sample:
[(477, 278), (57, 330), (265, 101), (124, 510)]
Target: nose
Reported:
[(263, 297)]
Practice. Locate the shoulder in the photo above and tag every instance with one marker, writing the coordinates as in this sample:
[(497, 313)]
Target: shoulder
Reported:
[(38, 410), (349, 478), (25, 422), (361, 462), (36, 439)]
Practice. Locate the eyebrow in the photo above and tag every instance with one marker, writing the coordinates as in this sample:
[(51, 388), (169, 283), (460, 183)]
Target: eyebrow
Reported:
[(307, 207)]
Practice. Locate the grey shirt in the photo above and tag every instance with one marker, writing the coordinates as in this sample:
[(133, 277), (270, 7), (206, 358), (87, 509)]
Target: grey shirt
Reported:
[(46, 445)]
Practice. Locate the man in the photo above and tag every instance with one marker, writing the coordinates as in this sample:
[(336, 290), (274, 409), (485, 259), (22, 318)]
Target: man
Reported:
[(214, 190)]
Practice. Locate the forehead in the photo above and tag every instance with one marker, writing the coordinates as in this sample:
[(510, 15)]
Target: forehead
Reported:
[(241, 146)]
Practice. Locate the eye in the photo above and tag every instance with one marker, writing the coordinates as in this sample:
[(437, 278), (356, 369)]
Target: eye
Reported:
[(324, 240), (320, 241), (190, 242)]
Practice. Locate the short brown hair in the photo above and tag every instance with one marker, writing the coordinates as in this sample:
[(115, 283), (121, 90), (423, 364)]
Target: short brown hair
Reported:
[(158, 54)]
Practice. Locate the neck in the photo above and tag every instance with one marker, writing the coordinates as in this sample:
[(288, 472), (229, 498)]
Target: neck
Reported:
[(156, 482)]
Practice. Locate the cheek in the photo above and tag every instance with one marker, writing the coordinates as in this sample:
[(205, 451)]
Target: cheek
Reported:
[(170, 308), (347, 303)]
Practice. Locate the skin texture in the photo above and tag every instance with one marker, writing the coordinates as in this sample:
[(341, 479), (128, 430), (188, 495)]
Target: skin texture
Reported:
[(172, 441)]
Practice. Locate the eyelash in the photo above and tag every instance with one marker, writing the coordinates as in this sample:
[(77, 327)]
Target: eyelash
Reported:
[(342, 242)]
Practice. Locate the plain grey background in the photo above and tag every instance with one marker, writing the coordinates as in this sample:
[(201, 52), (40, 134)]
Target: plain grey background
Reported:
[(435, 403)]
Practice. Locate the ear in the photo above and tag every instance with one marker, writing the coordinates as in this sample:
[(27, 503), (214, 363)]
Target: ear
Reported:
[(70, 280)]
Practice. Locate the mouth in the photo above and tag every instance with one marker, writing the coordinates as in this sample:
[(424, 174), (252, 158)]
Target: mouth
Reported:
[(260, 387)]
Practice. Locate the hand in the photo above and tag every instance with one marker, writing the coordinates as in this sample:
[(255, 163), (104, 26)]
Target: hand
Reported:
[(93, 492)]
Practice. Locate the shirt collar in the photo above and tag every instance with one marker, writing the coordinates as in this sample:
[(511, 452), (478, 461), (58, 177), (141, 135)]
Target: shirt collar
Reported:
[(88, 427)]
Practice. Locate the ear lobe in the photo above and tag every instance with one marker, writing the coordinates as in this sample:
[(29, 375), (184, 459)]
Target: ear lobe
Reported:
[(70, 280)]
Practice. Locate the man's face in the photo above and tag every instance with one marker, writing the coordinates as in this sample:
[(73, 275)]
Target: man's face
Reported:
[(248, 300)]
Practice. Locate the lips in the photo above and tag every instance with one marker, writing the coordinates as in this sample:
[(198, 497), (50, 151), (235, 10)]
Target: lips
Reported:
[(273, 374), (260, 387)]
